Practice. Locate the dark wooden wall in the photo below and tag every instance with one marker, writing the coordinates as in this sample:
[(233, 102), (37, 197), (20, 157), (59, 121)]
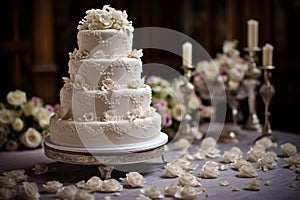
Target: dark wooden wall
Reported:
[(38, 34)]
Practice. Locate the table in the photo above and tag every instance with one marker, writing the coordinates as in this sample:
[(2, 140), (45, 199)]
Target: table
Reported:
[(280, 177)]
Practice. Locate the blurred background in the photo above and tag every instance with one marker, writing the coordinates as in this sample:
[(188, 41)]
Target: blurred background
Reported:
[(37, 35)]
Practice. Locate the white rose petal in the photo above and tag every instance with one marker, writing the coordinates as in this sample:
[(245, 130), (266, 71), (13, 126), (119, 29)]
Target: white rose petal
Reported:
[(154, 192), (31, 138), (253, 185), (171, 190), (18, 175), (232, 155), (52, 187), (268, 161), (111, 185), (84, 195), (188, 179), (134, 179), (17, 124), (288, 149), (173, 170), (224, 183), (16, 98), (238, 163), (293, 160), (142, 197), (264, 142), (247, 171), (255, 153), (209, 170), (187, 192), (67, 192), (29, 191)]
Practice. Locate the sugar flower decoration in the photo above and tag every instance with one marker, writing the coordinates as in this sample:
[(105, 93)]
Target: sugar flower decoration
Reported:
[(93, 184), (247, 171), (67, 192), (255, 153), (188, 179), (136, 83), (111, 185), (188, 192), (134, 179), (171, 190), (136, 53), (29, 191), (52, 187), (237, 164), (154, 192), (232, 155), (209, 170), (288, 149), (173, 170), (18, 175), (108, 85), (253, 185)]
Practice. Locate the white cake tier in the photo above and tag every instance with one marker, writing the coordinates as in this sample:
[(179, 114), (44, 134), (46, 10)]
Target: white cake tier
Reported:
[(105, 105), (104, 134), (123, 72), (108, 43)]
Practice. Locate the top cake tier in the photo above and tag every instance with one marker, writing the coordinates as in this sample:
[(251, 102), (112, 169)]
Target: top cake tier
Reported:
[(105, 33), (104, 43)]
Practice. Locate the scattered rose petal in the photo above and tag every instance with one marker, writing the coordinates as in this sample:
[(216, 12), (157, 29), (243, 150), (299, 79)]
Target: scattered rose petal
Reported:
[(224, 183), (253, 185), (293, 187), (40, 168), (268, 183), (154, 192)]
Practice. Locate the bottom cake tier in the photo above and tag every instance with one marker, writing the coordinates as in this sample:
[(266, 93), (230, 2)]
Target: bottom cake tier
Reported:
[(104, 134)]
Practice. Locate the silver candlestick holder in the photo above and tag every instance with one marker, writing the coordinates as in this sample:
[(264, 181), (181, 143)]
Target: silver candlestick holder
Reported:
[(251, 82), (267, 91)]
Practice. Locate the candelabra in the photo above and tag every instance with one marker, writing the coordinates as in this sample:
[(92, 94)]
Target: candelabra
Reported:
[(251, 83), (267, 91)]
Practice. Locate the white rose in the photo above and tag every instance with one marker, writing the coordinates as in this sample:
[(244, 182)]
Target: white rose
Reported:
[(255, 153), (178, 111), (18, 175), (154, 192), (187, 192), (43, 116), (52, 187), (238, 163), (267, 162), (172, 189), (288, 149), (188, 179), (173, 170), (264, 142), (29, 191), (31, 138), (7, 116), (6, 193), (232, 155), (16, 97), (17, 124), (6, 181), (11, 145), (209, 170), (134, 179), (67, 192), (293, 160), (30, 108), (111, 185), (247, 171), (94, 184)]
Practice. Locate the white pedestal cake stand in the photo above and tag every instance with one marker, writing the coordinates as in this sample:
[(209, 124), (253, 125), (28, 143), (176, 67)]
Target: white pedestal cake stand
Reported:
[(108, 158)]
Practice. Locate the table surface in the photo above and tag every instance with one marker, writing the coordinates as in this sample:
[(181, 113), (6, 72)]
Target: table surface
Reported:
[(67, 174)]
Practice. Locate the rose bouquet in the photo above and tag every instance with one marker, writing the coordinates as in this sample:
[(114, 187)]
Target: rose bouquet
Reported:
[(168, 99), (23, 123), (227, 68)]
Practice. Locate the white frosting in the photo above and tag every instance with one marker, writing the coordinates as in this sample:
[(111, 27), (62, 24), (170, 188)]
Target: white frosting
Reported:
[(95, 133), (94, 71), (105, 43)]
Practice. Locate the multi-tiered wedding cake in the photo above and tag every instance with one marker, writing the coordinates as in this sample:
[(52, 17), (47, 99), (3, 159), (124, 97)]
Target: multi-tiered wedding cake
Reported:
[(105, 102)]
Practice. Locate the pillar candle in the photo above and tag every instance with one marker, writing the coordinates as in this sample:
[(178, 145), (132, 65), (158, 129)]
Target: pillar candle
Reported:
[(267, 55), (187, 54), (252, 33)]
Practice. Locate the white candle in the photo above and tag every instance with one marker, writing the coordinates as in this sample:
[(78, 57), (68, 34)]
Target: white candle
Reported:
[(268, 55), (252, 33), (187, 54)]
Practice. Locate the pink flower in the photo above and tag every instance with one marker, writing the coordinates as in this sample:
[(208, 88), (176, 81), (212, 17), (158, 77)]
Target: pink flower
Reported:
[(161, 105), (167, 121), (151, 80), (50, 108), (36, 100)]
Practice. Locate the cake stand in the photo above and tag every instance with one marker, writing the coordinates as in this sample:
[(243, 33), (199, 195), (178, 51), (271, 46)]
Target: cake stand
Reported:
[(109, 158)]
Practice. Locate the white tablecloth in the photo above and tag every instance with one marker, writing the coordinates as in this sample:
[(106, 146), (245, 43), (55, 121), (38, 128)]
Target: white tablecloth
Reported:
[(280, 177)]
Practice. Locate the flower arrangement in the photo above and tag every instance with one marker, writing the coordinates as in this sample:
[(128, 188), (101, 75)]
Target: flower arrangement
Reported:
[(227, 68), (23, 123), (167, 98)]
